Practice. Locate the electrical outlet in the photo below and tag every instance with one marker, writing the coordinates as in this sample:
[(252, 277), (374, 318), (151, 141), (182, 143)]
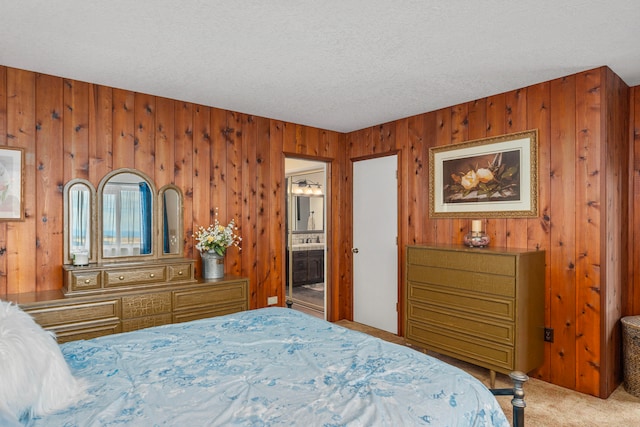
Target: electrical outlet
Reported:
[(272, 300), (548, 334)]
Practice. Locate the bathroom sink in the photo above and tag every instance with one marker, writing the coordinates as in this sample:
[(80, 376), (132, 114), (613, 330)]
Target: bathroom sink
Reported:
[(307, 246)]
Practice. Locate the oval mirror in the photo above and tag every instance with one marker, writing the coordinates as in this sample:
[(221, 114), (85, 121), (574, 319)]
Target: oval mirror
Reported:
[(170, 198), (126, 208), (79, 209)]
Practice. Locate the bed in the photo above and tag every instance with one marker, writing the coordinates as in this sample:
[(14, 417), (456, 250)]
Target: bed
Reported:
[(266, 367)]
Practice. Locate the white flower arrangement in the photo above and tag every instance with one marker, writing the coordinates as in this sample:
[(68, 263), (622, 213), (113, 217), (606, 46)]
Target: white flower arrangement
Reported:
[(217, 238)]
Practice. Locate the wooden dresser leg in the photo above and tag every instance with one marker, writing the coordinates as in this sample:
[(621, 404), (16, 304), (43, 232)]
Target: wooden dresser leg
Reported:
[(492, 378)]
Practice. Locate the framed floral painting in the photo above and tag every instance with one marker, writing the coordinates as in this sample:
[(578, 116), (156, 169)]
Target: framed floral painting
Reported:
[(11, 184), (493, 177)]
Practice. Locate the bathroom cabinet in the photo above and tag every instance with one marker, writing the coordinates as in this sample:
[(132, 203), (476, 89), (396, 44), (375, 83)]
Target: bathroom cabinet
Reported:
[(308, 267)]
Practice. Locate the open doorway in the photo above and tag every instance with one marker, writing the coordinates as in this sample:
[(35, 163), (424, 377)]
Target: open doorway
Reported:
[(306, 235)]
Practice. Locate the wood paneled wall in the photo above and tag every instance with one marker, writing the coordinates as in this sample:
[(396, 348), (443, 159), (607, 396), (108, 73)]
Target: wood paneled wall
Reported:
[(631, 293), (71, 129), (582, 123), (235, 162)]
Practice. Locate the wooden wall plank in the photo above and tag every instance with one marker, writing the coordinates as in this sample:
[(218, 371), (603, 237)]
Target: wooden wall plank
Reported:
[(588, 234), (538, 229), (616, 116), (275, 192), (459, 133), (183, 165), (144, 134), (233, 207), (21, 235), (563, 232), (123, 129), (218, 158), (444, 227), (415, 175), (496, 126), (164, 141), (248, 153), (49, 218), (76, 129), (262, 215), (100, 132), (516, 121), (201, 173), (431, 124)]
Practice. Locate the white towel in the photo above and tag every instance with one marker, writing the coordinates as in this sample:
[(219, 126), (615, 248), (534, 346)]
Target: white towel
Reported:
[(311, 223)]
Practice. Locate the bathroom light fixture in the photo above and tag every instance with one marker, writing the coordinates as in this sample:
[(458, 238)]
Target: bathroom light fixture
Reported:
[(307, 187)]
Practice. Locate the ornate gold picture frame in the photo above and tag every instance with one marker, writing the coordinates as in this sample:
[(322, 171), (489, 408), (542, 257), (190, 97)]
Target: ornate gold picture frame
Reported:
[(493, 177)]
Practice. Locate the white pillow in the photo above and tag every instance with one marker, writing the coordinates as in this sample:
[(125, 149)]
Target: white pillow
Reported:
[(34, 377)]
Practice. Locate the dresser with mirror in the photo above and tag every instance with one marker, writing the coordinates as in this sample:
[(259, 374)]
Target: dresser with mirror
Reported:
[(123, 235), (123, 263)]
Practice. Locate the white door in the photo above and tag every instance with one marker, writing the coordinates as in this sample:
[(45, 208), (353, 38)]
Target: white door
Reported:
[(375, 250)]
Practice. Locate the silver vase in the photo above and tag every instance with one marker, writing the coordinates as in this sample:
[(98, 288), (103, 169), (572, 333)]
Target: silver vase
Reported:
[(212, 265)]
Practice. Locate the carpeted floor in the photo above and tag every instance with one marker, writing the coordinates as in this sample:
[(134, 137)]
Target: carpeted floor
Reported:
[(548, 405)]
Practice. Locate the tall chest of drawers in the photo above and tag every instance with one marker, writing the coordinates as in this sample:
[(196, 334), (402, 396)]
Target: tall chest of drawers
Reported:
[(484, 306)]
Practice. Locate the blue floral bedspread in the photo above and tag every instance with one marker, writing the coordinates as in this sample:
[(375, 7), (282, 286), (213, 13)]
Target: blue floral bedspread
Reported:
[(267, 367)]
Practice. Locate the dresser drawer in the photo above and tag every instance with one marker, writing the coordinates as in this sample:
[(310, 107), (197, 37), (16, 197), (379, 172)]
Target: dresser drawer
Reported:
[(146, 304), (115, 278), (464, 260), (464, 280), (211, 311), (70, 314), (179, 272), (495, 307), (492, 330), (146, 322), (213, 295), (86, 331), (81, 281), (479, 352)]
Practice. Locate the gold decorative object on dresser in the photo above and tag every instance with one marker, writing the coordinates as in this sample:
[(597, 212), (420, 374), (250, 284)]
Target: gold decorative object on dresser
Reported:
[(483, 306), (92, 315)]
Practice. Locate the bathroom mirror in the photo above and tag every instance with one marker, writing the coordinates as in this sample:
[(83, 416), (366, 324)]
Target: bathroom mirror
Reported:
[(308, 214), (79, 221), (307, 199), (170, 217)]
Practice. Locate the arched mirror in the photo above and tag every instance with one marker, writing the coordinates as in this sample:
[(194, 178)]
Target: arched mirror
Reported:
[(79, 221), (170, 217), (126, 215), (124, 220), (123, 235)]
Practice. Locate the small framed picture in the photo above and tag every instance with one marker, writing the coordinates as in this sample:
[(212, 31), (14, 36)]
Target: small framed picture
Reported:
[(11, 184)]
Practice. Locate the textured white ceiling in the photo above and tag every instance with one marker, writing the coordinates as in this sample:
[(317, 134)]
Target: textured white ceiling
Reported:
[(335, 64)]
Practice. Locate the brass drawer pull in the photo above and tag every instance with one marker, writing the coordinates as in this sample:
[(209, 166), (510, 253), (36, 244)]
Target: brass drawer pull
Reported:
[(152, 275), (87, 281), (121, 277), (180, 273)]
